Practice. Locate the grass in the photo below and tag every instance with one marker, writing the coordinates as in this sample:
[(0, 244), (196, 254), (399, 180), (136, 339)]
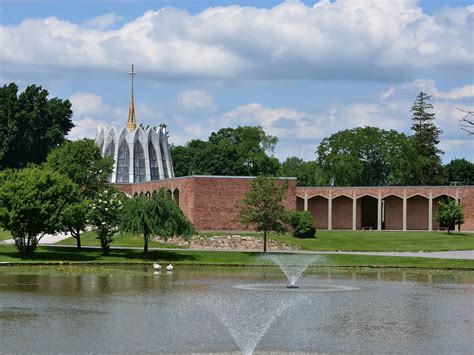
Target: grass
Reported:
[(373, 240), (45, 254), (4, 235), (121, 239)]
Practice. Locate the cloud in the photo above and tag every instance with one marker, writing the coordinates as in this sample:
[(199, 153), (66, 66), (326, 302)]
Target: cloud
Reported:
[(102, 22), (196, 100), (349, 40)]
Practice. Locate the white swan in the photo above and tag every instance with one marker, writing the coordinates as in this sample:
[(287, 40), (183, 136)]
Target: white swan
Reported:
[(169, 267), (156, 266)]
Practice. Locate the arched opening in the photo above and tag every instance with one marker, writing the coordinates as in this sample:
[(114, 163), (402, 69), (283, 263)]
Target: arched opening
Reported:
[(141, 194), (342, 213), (436, 201), (135, 194), (393, 212), (318, 207), (154, 193), (176, 196), (123, 163), (417, 213), (299, 203), (368, 212), (154, 171), (148, 194), (138, 163)]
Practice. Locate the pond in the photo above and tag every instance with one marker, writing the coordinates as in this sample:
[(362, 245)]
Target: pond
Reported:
[(234, 309)]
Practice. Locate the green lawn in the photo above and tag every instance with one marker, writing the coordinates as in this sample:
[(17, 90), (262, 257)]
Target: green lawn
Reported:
[(121, 239), (8, 253), (4, 235), (373, 240)]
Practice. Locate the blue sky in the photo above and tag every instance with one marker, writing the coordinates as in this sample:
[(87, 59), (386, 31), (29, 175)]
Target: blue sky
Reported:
[(301, 69)]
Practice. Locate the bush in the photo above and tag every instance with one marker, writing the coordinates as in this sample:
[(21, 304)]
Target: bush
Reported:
[(302, 224)]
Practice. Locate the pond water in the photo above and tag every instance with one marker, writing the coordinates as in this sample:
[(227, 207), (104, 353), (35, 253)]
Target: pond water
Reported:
[(234, 309)]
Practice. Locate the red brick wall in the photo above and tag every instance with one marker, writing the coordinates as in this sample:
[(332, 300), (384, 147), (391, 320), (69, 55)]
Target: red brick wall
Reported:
[(209, 202), (417, 213), (342, 213), (318, 207), (393, 213), (394, 207)]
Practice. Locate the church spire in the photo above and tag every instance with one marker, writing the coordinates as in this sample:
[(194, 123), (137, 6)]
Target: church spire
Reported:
[(132, 121)]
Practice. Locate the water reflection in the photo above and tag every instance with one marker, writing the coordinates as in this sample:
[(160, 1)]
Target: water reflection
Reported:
[(132, 309)]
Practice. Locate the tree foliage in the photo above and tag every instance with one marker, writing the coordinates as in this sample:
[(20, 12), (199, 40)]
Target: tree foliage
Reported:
[(450, 213), (263, 206), (104, 215), (366, 156), (155, 216), (83, 163), (241, 151), (302, 223), (31, 125), (307, 172), (459, 171), (32, 201), (427, 168)]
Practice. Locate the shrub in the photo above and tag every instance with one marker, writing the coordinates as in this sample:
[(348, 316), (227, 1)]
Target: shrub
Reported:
[(302, 224)]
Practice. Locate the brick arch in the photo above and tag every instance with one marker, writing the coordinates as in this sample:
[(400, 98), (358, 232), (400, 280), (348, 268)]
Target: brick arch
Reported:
[(299, 203), (393, 212), (342, 194), (176, 195), (388, 194), (439, 197), (318, 195), (417, 212), (418, 194), (342, 212), (318, 207), (447, 194), (366, 194)]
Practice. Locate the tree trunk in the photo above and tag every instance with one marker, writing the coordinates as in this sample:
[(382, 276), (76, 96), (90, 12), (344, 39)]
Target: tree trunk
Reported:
[(264, 242), (77, 235), (145, 247)]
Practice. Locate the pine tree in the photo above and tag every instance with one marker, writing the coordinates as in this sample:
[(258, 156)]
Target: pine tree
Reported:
[(428, 167)]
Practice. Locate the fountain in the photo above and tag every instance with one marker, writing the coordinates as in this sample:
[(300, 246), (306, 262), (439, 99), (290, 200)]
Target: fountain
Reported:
[(292, 265), (247, 317)]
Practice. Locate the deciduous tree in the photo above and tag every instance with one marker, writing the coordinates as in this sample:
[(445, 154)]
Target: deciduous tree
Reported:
[(365, 156), (450, 213), (31, 125), (104, 215), (459, 171), (32, 201), (155, 216), (263, 206)]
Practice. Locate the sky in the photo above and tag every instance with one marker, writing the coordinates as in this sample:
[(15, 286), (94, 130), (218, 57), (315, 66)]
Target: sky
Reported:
[(302, 70)]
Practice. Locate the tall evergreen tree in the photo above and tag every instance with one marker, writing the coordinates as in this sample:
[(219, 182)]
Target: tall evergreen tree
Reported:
[(428, 167)]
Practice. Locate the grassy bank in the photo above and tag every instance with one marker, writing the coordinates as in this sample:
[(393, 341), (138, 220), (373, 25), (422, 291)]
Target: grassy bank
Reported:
[(121, 239), (382, 241), (326, 240), (44, 254)]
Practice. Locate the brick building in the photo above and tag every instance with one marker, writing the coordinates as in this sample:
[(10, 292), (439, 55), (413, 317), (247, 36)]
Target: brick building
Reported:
[(210, 203)]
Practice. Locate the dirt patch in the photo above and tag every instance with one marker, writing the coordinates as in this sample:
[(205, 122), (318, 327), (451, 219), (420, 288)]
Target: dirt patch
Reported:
[(229, 242)]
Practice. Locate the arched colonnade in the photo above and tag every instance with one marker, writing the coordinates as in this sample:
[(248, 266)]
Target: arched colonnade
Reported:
[(374, 211)]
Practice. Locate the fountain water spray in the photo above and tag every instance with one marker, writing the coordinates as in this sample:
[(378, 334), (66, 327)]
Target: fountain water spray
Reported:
[(292, 264), (248, 316)]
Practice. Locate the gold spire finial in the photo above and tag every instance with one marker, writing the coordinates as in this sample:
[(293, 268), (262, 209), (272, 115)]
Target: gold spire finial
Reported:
[(132, 121)]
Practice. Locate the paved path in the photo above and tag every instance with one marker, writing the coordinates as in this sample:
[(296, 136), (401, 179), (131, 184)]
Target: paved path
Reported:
[(47, 239)]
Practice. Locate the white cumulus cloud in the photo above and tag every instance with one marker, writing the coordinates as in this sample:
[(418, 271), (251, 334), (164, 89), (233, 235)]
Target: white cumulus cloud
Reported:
[(344, 39)]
